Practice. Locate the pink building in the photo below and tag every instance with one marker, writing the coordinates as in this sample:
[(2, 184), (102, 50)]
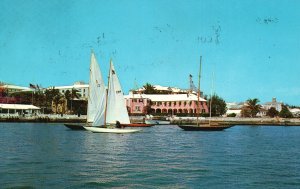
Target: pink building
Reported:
[(171, 104)]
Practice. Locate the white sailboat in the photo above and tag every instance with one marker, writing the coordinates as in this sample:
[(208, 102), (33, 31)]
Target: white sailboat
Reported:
[(97, 95), (105, 107), (96, 98)]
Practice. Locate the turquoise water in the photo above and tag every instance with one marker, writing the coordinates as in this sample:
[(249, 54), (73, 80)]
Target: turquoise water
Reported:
[(35, 155)]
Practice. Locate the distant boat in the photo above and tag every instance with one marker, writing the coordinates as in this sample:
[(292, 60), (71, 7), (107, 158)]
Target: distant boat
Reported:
[(106, 107), (203, 127), (157, 122)]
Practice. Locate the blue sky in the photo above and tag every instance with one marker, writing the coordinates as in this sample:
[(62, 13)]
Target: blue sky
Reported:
[(251, 46)]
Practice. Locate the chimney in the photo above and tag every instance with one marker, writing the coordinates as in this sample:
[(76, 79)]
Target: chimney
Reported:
[(273, 99)]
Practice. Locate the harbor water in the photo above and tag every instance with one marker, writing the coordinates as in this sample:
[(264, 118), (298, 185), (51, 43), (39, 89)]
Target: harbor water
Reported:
[(43, 155)]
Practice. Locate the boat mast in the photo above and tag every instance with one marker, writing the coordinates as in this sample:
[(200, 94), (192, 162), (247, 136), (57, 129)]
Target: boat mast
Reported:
[(198, 94), (89, 90), (106, 99)]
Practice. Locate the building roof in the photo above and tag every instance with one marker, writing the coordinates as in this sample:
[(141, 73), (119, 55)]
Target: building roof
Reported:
[(19, 107), (15, 87), (165, 97), (163, 88), (71, 86), (294, 110)]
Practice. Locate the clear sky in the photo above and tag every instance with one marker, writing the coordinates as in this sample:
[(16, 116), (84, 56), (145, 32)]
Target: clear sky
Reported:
[(251, 46)]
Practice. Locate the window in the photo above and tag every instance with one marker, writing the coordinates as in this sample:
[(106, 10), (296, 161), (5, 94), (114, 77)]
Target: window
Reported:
[(137, 108), (179, 103)]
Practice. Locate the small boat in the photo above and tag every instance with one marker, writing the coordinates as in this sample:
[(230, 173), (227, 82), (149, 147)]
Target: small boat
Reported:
[(205, 127), (157, 122), (137, 125)]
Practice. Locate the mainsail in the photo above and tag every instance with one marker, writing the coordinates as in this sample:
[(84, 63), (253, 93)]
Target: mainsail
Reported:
[(116, 107), (97, 96)]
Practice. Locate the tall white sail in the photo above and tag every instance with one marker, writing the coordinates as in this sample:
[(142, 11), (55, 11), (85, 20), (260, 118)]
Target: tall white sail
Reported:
[(116, 107), (97, 96)]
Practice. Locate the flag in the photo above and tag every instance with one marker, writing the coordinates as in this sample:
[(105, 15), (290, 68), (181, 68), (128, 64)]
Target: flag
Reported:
[(32, 86)]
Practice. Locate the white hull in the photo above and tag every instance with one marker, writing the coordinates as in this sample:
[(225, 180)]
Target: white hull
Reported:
[(111, 130)]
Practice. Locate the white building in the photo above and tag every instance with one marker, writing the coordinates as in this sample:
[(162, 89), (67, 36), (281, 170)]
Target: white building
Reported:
[(295, 112), (14, 88), (81, 87), (273, 104), (171, 90), (18, 109)]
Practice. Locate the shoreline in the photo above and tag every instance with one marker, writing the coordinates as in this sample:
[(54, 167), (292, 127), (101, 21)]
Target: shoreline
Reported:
[(174, 121)]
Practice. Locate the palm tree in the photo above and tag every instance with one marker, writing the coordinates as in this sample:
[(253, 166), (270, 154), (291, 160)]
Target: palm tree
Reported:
[(253, 106), (67, 96), (149, 89), (49, 96), (57, 100), (74, 94)]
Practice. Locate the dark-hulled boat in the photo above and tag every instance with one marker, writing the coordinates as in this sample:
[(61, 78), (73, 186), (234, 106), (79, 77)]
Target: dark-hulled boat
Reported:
[(204, 127), (75, 126)]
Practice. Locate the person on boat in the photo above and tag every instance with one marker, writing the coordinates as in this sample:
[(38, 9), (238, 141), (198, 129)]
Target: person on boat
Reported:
[(118, 124)]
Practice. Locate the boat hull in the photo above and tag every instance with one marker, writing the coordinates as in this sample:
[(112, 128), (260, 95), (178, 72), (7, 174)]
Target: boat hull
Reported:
[(74, 126), (203, 128), (137, 125), (111, 130)]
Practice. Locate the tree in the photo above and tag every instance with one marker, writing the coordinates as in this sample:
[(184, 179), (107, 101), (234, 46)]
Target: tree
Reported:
[(245, 112), (49, 97), (218, 105), (149, 89), (272, 112), (67, 96), (253, 106), (285, 112), (74, 94), (57, 100)]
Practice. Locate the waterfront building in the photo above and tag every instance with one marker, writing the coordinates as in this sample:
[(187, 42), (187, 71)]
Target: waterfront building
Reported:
[(295, 112), (18, 109), (274, 104), (81, 87), (6, 90), (170, 104), (163, 90), (234, 108), (14, 88)]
